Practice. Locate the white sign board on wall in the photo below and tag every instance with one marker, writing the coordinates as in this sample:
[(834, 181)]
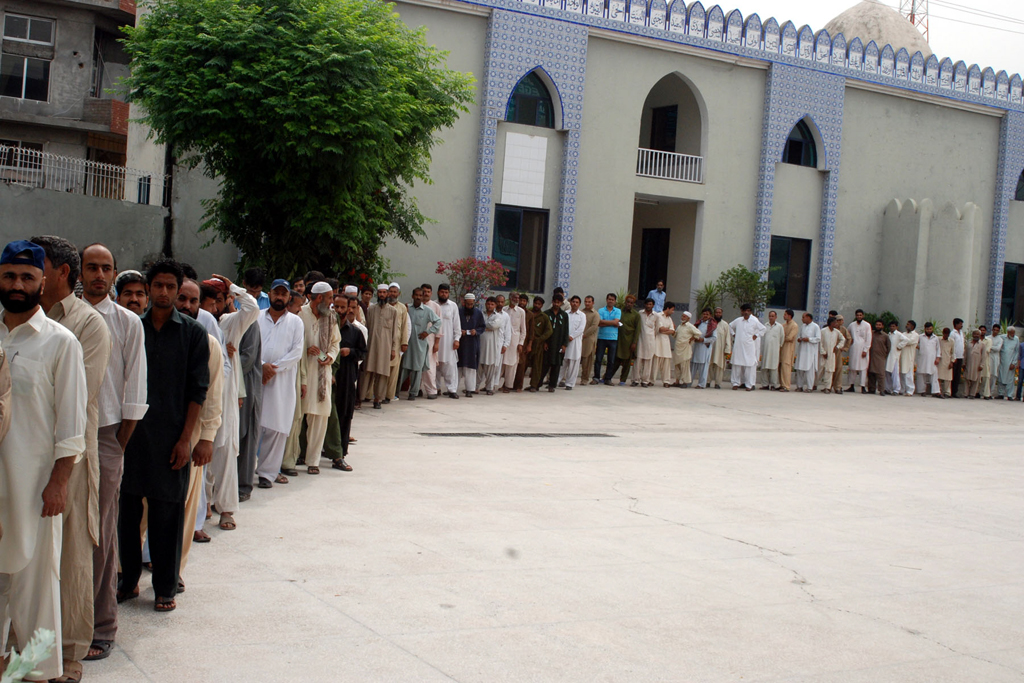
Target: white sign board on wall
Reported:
[(522, 180)]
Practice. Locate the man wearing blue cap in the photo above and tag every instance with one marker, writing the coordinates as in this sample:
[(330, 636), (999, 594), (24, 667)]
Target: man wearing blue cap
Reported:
[(39, 452)]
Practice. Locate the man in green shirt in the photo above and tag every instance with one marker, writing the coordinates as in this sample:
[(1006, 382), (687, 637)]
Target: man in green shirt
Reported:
[(540, 325), (555, 348), (625, 351)]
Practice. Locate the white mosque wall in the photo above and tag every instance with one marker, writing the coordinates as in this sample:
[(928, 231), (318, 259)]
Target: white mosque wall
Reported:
[(1015, 233)]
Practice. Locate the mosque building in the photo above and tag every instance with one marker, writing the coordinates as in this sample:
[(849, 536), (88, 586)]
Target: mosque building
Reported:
[(614, 143)]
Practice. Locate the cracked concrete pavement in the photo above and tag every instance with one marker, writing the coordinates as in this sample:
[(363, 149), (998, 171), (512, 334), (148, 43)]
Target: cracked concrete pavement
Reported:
[(711, 536)]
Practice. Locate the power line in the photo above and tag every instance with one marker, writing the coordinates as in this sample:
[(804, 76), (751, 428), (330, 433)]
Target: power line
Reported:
[(968, 23), (979, 12)]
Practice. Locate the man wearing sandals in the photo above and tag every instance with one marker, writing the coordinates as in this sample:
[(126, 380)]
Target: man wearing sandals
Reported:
[(156, 463), (322, 340), (38, 453)]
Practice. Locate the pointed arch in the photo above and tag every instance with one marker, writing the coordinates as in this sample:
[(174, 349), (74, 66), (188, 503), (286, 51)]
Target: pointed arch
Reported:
[(534, 101), (805, 146)]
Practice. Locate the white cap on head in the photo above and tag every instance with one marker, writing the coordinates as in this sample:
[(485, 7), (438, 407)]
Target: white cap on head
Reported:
[(381, 287), (395, 285), (321, 288), (687, 314), (351, 289), (470, 296)]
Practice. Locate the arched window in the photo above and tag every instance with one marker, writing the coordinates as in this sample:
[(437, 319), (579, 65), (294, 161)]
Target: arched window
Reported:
[(1019, 195), (531, 103), (800, 149)]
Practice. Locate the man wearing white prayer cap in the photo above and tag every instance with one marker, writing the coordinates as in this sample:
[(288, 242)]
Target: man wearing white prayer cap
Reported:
[(322, 343), (352, 290), (686, 335), (402, 325)]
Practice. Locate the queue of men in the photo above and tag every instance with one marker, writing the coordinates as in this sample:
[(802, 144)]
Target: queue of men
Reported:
[(157, 401)]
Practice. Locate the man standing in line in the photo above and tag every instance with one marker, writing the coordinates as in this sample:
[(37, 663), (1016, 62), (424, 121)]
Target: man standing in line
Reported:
[(1008, 359), (253, 280), (574, 348), (539, 333), (994, 359), (402, 324), (702, 351), (986, 369), (629, 334), (607, 339), (974, 356), (687, 335), (517, 338), (428, 381), (492, 347), (473, 325), (384, 347), (321, 339), (352, 349), (908, 356), (808, 351), (746, 329), (38, 454), (646, 342), (589, 342), (122, 403), (658, 295), (424, 324), (81, 514), (662, 366), (156, 464), (860, 346), (720, 349), (282, 337), (554, 347), (787, 355), (897, 341), (878, 353), (130, 288), (929, 369), (957, 335), (448, 346), (837, 378), (250, 358), (771, 351), (525, 361), (832, 343)]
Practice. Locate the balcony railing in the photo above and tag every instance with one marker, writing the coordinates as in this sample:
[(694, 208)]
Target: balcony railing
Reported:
[(32, 168), (653, 163)]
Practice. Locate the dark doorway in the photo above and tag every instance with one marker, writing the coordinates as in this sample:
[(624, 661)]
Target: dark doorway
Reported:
[(663, 128), (653, 259)]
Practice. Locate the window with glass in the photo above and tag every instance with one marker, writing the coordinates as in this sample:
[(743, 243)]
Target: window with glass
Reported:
[(789, 269), (28, 29), (520, 244), (25, 78), (800, 149), (531, 103), (1012, 307)]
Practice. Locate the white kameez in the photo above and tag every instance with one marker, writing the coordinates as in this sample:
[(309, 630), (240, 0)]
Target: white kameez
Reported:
[(491, 343), (282, 347), (860, 333), (927, 370), (447, 357), (744, 346)]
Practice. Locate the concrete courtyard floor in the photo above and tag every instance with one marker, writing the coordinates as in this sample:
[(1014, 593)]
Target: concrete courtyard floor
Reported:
[(690, 536)]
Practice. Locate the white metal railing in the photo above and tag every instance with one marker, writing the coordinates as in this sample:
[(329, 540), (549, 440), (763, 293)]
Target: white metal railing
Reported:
[(32, 168), (653, 163)]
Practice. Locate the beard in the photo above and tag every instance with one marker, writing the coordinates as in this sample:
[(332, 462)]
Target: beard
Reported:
[(278, 305), (323, 309), (392, 299), (22, 304)]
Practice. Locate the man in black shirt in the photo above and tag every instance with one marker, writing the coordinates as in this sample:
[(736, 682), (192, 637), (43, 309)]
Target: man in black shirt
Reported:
[(352, 350)]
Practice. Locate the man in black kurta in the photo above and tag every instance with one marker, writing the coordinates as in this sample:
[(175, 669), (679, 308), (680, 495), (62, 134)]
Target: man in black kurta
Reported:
[(473, 325), (156, 461), (351, 351), (250, 351), (554, 352)]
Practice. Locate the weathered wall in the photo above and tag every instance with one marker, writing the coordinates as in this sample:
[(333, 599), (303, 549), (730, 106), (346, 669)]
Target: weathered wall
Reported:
[(134, 232), (188, 243)]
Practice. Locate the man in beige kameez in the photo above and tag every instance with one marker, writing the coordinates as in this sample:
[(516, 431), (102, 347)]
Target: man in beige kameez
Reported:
[(771, 352), (81, 515), (589, 341), (323, 342), (833, 341), (787, 355), (686, 336), (402, 323), (384, 329), (721, 349), (645, 344)]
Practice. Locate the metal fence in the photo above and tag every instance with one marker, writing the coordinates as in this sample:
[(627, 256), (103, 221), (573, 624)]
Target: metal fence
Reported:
[(32, 168), (654, 163)]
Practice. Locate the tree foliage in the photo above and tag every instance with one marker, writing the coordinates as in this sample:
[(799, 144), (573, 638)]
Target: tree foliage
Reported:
[(317, 116), (745, 286)]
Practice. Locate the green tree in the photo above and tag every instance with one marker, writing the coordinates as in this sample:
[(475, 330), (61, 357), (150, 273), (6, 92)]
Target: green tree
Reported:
[(745, 286), (317, 116)]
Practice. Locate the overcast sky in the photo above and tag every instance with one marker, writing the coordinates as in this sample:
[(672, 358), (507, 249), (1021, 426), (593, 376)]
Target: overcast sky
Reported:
[(950, 37)]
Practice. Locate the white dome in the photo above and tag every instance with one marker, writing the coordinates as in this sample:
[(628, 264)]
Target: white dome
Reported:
[(871, 20)]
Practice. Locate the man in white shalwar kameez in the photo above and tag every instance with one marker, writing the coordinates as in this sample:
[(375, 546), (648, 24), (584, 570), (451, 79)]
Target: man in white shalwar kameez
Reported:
[(492, 346), (808, 350), (321, 344), (282, 335), (688, 337), (771, 349), (517, 337), (745, 330), (702, 350), (997, 338), (928, 362), (833, 341), (645, 344), (574, 349), (860, 346), (897, 340), (907, 357), (46, 439), (448, 347)]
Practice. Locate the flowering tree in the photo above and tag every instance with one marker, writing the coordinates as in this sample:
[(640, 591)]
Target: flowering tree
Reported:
[(473, 275)]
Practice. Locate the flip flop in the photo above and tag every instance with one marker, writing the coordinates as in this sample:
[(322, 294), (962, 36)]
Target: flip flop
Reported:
[(124, 597), (201, 537), (164, 605), (227, 522), (281, 479), (105, 647)]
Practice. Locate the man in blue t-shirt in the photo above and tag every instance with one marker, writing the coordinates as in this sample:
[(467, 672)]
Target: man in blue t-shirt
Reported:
[(607, 338), (658, 294)]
